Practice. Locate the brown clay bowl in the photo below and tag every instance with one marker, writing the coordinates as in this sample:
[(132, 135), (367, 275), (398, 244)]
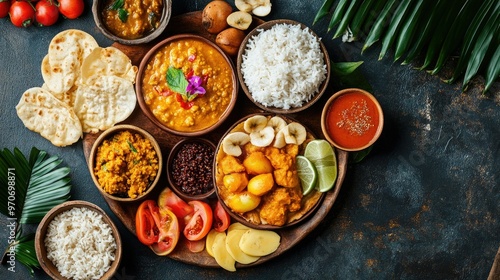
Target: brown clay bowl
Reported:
[(368, 115), (173, 153), (41, 250), (313, 199), (97, 10), (200, 118), (243, 49), (107, 134)]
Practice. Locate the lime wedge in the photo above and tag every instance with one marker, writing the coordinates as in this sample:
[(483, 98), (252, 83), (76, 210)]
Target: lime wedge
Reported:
[(307, 174), (321, 154)]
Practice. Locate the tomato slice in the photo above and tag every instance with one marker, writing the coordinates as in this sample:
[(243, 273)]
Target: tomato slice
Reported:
[(169, 232), (170, 200), (196, 246), (221, 218), (201, 221), (145, 225)]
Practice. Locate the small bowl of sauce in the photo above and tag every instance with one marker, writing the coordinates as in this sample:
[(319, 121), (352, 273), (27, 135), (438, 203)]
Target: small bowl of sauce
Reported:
[(352, 119)]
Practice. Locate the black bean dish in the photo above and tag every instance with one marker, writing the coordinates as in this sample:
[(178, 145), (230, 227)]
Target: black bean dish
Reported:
[(192, 168)]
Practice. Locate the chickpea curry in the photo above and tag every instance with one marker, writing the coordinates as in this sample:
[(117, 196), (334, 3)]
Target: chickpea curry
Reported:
[(188, 84), (132, 19)]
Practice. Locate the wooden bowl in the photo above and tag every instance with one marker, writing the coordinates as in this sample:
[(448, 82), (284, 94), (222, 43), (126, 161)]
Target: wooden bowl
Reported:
[(99, 5), (243, 49), (363, 127), (175, 187), (314, 199), (41, 250), (201, 117), (106, 135)]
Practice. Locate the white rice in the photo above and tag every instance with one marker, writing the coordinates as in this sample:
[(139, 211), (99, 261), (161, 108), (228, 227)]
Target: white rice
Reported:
[(283, 67), (80, 244)]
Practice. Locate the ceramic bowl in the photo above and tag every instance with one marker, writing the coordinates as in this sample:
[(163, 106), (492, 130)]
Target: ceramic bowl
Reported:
[(97, 10), (41, 250), (174, 104), (173, 154), (352, 119), (107, 134), (243, 48), (312, 200)]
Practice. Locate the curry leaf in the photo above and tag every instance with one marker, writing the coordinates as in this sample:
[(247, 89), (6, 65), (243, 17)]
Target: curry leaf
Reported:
[(131, 146), (345, 68), (176, 80), (122, 15), (117, 5)]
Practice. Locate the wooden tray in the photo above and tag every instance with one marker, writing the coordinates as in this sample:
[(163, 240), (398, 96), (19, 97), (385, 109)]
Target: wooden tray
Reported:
[(191, 23)]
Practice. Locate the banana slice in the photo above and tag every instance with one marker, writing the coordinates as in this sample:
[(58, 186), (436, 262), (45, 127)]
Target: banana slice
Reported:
[(277, 123), (263, 137), (263, 9), (255, 123), (279, 139), (295, 133), (232, 142), (240, 20), (245, 5)]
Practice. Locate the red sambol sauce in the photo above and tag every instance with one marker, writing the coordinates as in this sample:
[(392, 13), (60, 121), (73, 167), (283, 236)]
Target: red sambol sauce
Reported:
[(352, 120)]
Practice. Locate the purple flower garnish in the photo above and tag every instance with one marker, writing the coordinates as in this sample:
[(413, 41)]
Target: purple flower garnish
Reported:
[(194, 86)]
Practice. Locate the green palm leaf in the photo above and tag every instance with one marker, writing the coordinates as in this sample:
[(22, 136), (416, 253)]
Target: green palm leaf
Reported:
[(29, 189)]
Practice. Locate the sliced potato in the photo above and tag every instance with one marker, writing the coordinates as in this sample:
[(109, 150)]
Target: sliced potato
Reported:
[(259, 243), (233, 247), (221, 255), (209, 241)]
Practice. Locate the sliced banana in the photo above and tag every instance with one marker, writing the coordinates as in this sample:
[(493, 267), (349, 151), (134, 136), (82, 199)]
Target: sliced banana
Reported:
[(279, 139), (255, 123), (263, 137), (263, 9), (231, 144), (295, 133), (277, 123), (245, 5)]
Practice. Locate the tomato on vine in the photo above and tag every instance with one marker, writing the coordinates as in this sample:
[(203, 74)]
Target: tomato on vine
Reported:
[(47, 12), (22, 13)]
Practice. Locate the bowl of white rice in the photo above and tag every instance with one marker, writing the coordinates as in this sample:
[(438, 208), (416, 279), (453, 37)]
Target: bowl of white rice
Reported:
[(283, 67), (78, 240)]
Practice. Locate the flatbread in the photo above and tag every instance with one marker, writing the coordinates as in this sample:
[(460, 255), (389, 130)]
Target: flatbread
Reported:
[(108, 61), (103, 102), (42, 112), (61, 66)]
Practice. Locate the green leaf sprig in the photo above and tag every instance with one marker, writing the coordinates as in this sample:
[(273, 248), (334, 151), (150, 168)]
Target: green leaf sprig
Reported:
[(118, 6)]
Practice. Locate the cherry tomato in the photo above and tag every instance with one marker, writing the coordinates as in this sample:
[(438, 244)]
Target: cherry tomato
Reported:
[(200, 223), (71, 9), (22, 13), (169, 233), (46, 13), (145, 225), (170, 200), (221, 218), (4, 8)]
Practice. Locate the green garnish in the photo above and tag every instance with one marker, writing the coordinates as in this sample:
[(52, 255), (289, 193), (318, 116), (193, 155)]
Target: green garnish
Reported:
[(122, 15), (131, 146), (176, 80), (118, 6), (152, 18)]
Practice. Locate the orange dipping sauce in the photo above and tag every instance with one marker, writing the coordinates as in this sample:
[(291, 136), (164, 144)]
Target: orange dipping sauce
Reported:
[(352, 120)]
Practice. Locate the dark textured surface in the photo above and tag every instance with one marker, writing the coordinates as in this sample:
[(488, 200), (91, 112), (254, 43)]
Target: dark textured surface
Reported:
[(423, 205)]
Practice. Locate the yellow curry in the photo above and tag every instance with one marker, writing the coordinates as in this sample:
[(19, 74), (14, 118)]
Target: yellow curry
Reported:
[(132, 19), (192, 58)]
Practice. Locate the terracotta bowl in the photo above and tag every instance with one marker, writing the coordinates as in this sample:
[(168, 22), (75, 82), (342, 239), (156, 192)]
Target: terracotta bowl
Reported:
[(173, 153), (314, 199), (41, 250), (360, 123), (266, 26), (107, 134), (99, 5), (147, 111)]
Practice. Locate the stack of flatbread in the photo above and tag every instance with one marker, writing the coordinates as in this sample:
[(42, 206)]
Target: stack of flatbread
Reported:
[(86, 89)]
